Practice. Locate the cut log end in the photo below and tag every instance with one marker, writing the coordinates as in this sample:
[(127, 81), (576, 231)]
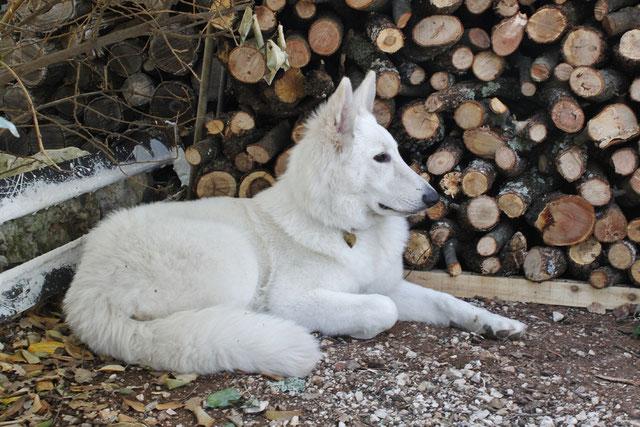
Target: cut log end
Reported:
[(566, 220), (546, 25), (622, 254), (216, 184), (482, 213), (254, 183), (325, 35), (418, 123), (583, 46), (470, 115), (247, 64), (567, 115), (437, 30), (544, 263)]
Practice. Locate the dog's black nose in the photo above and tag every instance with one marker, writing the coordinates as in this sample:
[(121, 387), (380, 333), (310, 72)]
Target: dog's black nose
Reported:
[(430, 198)]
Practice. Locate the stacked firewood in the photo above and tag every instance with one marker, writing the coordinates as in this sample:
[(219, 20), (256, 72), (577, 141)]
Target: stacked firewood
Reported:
[(523, 114)]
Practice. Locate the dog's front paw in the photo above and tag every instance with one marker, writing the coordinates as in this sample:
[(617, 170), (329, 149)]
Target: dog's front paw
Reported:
[(503, 328)]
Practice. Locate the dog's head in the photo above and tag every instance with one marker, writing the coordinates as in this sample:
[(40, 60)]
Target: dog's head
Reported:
[(348, 166)]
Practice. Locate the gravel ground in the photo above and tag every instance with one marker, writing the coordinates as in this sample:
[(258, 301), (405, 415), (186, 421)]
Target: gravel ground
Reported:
[(580, 370)]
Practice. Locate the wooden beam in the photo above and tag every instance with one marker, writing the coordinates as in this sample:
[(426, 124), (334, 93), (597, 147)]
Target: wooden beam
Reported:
[(556, 292)]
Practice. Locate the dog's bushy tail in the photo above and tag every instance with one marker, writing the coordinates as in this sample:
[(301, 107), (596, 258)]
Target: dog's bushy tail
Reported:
[(203, 341)]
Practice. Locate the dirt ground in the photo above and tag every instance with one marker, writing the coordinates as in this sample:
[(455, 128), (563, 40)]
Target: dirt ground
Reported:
[(581, 370)]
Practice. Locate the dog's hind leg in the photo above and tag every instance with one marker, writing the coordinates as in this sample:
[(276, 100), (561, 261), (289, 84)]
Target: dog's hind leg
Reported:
[(416, 303), (338, 313)]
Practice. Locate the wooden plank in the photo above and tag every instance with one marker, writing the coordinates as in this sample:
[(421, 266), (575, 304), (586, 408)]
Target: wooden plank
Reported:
[(557, 292)]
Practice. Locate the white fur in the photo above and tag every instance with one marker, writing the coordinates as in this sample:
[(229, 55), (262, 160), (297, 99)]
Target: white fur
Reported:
[(223, 284)]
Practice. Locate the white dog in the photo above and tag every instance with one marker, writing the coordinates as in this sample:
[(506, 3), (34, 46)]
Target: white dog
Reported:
[(223, 284)]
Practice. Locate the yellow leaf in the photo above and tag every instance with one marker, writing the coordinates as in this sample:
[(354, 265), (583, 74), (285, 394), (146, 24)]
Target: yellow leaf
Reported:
[(281, 415), (135, 405), (169, 405), (77, 352), (30, 358), (8, 400), (48, 347), (112, 368), (44, 386), (202, 418)]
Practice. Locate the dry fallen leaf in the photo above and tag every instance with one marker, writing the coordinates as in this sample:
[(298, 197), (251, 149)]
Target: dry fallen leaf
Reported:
[(44, 386), (82, 376), (178, 381), (135, 405), (202, 418), (281, 415), (169, 405), (112, 368), (48, 347), (29, 357)]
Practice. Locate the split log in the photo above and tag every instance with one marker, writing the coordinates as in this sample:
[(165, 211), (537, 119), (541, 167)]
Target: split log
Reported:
[(513, 254), (420, 253), (487, 66), (254, 183), (271, 144), (596, 85), (325, 35), (562, 219), (492, 242), (548, 23), (450, 98), (201, 152), (174, 51), (247, 64), (614, 124), (125, 58), (584, 46), (627, 52), (451, 258), (173, 100), (478, 177), (104, 114), (445, 157), (544, 263), (625, 161), (384, 34), (384, 111), (594, 186), (363, 54), (604, 277), (298, 50), (566, 113), (611, 224), (622, 20), (437, 31), (507, 35), (516, 196), (622, 254), (633, 230), (584, 257), (138, 89), (443, 230), (480, 213)]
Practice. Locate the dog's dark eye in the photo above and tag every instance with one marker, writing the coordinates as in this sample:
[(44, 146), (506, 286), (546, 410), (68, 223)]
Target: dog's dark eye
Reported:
[(382, 157)]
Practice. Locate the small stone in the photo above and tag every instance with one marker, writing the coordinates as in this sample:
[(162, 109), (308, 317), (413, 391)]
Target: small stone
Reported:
[(459, 384), (476, 378), (453, 374), (557, 316), (316, 380), (509, 369), (496, 403), (140, 397), (591, 353), (359, 396), (581, 353), (480, 415), (380, 413), (596, 308), (402, 379), (411, 354)]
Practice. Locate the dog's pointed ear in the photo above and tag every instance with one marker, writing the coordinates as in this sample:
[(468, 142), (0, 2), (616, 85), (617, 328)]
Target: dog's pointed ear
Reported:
[(365, 95), (340, 109)]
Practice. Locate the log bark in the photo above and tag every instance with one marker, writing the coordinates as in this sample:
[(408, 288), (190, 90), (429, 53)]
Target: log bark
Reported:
[(450, 98), (254, 183), (527, 86), (614, 124), (584, 46), (201, 152), (411, 73), (562, 219), (244, 162), (631, 190), (449, 253), (288, 88), (126, 58), (363, 54), (513, 254), (401, 12), (604, 7), (173, 100), (384, 111), (418, 129), (104, 114), (443, 230), (624, 19), (604, 277), (509, 161), (596, 85), (542, 66), (420, 253), (516, 196), (507, 35), (480, 213), (445, 157), (271, 144), (482, 265), (384, 34), (29, 50), (478, 178), (325, 35), (544, 263), (439, 210), (611, 224), (280, 166), (622, 254)]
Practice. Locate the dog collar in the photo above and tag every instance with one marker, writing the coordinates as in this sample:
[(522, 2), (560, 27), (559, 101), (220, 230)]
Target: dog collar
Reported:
[(349, 238)]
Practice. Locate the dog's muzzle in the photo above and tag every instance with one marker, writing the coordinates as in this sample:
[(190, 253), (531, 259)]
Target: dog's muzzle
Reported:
[(430, 198)]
